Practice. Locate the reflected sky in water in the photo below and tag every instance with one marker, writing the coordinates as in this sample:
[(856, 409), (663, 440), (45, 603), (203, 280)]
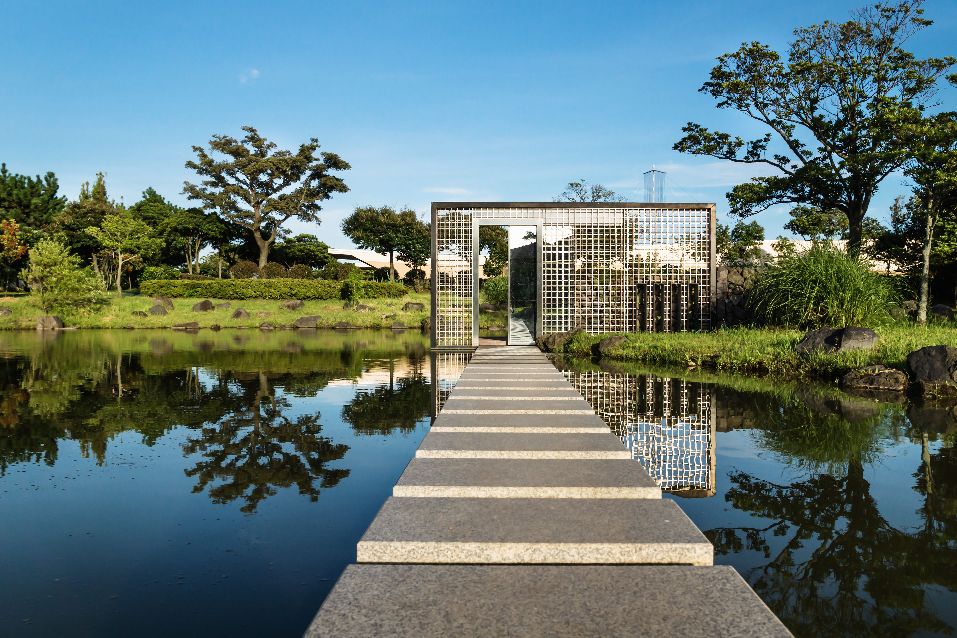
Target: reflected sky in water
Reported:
[(155, 483)]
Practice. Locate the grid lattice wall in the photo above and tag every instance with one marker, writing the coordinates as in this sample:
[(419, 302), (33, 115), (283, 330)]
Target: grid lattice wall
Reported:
[(625, 267)]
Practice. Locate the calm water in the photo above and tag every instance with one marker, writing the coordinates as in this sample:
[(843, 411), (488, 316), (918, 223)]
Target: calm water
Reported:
[(158, 483), (840, 511), (155, 483)]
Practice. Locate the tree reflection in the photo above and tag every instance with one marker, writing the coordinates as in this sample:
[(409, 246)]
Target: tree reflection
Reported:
[(397, 406), (256, 449), (833, 564)]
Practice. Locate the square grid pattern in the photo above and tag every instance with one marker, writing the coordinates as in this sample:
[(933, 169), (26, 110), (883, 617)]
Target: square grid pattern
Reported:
[(604, 268), (666, 423)]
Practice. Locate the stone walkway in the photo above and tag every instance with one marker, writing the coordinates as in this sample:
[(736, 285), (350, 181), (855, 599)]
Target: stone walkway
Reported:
[(518, 333), (522, 515)]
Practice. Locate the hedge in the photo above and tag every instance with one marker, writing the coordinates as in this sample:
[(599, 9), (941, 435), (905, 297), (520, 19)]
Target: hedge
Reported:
[(266, 289)]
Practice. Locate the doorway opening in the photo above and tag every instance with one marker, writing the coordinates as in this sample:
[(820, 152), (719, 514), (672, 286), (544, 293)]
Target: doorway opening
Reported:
[(522, 284)]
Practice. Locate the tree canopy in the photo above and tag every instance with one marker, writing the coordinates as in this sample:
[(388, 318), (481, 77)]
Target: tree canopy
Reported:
[(581, 191), (303, 249), (32, 202), (251, 183), (384, 230), (837, 107)]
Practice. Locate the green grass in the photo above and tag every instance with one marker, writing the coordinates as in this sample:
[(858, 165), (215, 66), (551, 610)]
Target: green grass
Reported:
[(765, 351), (119, 313)]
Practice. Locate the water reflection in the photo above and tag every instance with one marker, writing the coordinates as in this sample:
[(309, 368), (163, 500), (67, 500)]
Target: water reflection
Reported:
[(666, 423), (841, 511)]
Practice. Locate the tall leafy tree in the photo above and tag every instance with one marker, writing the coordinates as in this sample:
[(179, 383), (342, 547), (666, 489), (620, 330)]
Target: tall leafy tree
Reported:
[(836, 108), (383, 230), (87, 211), (934, 171), (252, 183), (32, 202), (741, 243), (194, 229), (126, 239), (582, 191)]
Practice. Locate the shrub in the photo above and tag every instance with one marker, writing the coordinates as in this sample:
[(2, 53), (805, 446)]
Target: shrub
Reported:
[(495, 290), (337, 271), (350, 292), (272, 270), (268, 289), (58, 283), (159, 272), (822, 286), (244, 269), (299, 271)]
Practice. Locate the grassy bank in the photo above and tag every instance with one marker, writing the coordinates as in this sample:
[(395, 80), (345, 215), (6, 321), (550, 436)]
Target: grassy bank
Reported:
[(764, 351), (119, 313)]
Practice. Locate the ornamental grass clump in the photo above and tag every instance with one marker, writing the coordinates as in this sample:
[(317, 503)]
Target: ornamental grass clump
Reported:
[(822, 286)]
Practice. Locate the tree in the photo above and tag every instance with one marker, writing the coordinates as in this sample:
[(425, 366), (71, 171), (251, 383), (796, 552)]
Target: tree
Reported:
[(195, 230), (415, 247), (87, 211), (56, 280), (494, 239), (250, 183), (741, 243), (11, 246), (934, 171), (32, 202), (384, 230), (125, 238), (839, 107), (813, 223), (303, 249), (580, 191)]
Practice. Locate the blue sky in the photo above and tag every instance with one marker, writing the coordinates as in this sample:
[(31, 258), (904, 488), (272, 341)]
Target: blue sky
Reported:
[(427, 100)]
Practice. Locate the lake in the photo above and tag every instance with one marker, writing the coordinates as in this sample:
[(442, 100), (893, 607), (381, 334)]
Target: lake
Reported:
[(157, 482)]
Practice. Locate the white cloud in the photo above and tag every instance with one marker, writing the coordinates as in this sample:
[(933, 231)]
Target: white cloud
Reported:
[(250, 75), (446, 190)]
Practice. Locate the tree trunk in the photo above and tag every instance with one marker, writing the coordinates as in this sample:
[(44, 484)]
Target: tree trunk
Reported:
[(391, 260), (119, 274), (263, 248), (220, 261), (197, 245), (855, 232), (925, 263), (189, 261)]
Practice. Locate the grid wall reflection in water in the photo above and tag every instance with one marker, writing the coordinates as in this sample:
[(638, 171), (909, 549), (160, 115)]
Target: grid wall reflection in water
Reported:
[(666, 423)]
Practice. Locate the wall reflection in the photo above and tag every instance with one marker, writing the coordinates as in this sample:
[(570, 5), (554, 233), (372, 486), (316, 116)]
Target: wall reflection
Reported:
[(666, 423)]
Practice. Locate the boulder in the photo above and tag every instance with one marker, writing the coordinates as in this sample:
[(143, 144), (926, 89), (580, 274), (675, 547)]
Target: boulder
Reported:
[(488, 307), (239, 313), (5, 312), (216, 327), (310, 321), (876, 377), (910, 307), (49, 322), (223, 306), (425, 324), (555, 342), (203, 306), (166, 302), (343, 325), (159, 310), (266, 326), (934, 368), (837, 340), (140, 313), (188, 325), (398, 326), (390, 316), (943, 311), (291, 304), (361, 307), (608, 344), (413, 306)]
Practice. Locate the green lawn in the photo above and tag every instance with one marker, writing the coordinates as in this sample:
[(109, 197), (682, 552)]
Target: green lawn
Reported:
[(766, 351), (119, 313)]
